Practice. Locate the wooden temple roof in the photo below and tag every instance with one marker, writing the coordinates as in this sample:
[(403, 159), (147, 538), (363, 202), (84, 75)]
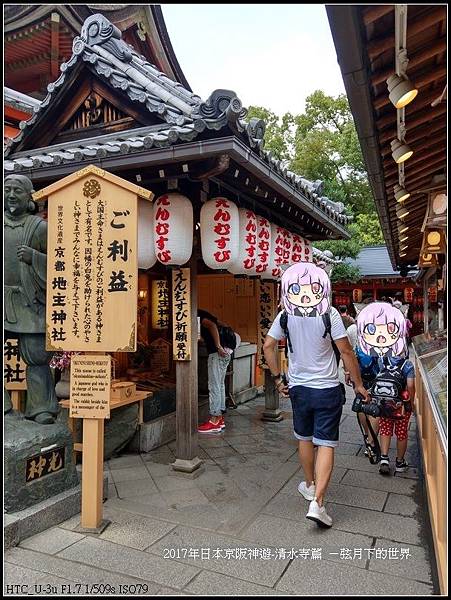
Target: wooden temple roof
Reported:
[(364, 37), (38, 38), (170, 124)]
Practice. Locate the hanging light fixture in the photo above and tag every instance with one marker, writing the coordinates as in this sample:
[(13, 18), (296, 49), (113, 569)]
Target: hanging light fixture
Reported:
[(404, 247), (404, 238), (402, 228), (400, 151), (402, 253), (401, 90), (402, 212), (401, 193)]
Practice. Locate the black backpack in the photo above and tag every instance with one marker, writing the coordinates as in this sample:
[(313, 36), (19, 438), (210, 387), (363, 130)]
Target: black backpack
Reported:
[(227, 337), (387, 389), (327, 330)]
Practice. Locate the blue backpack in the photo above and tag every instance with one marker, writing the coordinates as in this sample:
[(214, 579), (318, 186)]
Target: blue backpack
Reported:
[(368, 366)]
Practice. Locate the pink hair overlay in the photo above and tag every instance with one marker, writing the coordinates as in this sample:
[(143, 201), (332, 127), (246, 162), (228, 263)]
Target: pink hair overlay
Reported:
[(305, 273), (381, 313)]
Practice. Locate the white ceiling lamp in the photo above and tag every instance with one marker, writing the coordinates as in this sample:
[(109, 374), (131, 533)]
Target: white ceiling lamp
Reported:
[(401, 90), (402, 212), (402, 228), (401, 193), (404, 238), (402, 253), (400, 151)]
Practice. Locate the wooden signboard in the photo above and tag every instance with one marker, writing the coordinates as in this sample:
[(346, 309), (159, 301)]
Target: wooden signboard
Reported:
[(14, 367), (265, 316), (92, 269), (160, 304), (160, 356), (181, 308), (90, 377)]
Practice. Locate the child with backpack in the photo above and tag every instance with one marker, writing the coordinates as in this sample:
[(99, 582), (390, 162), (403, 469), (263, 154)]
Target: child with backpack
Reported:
[(382, 332)]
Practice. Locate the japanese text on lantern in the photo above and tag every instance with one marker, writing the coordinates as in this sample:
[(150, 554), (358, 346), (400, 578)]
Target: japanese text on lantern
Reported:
[(296, 255), (13, 366), (181, 308), (162, 225), (250, 247), (265, 318), (92, 267), (160, 304), (263, 245), (222, 230)]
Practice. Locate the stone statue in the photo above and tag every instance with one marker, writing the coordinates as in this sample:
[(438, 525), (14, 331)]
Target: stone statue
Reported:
[(25, 265)]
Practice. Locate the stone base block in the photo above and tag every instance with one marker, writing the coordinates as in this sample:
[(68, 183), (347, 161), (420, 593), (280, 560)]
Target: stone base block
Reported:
[(38, 462), (153, 434), (191, 468), (28, 522)]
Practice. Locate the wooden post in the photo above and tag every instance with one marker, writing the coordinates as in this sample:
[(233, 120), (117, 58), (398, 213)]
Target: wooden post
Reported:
[(15, 399), (92, 475), (187, 402), (272, 410)]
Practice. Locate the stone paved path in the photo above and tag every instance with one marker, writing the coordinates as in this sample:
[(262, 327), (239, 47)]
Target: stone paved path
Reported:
[(240, 527)]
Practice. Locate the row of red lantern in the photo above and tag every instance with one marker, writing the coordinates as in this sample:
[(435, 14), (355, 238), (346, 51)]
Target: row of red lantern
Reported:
[(232, 238), (242, 242)]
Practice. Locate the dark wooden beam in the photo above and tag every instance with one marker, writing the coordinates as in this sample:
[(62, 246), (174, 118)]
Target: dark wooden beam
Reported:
[(423, 162), (420, 133), (376, 12), (54, 45), (423, 21), (424, 116), (428, 51)]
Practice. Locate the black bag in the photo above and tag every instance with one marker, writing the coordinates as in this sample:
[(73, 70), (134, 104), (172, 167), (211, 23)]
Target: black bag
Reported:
[(387, 389), (227, 337)]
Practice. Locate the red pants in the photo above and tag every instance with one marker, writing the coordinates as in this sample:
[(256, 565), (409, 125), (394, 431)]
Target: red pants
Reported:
[(401, 425)]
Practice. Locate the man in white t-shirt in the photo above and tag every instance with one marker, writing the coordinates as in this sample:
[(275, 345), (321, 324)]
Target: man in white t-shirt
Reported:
[(314, 388)]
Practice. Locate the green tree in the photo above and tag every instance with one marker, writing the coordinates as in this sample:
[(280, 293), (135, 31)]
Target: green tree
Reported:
[(344, 272), (321, 143), (278, 134)]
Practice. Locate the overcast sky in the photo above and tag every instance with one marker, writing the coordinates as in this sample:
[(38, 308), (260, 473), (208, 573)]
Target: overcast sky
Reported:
[(271, 55)]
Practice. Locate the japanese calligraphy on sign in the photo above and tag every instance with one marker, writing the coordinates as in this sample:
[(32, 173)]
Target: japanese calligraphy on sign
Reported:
[(160, 304), (181, 310), (40, 465), (90, 382), (92, 270), (13, 366), (265, 316)]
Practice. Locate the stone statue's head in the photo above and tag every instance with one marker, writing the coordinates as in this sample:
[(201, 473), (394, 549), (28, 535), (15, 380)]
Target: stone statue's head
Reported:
[(18, 191)]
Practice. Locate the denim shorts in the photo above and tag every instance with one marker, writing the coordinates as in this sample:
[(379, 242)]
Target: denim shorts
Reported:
[(317, 414)]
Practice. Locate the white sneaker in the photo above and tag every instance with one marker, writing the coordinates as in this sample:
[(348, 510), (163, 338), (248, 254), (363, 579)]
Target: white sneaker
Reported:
[(318, 514), (307, 492)]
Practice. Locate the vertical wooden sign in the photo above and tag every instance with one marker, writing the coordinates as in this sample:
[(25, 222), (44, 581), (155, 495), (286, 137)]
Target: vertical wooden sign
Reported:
[(160, 304), (92, 269), (92, 300), (265, 316), (181, 308)]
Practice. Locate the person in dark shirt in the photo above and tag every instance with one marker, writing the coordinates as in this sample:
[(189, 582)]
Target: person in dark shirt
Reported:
[(218, 361), (345, 317)]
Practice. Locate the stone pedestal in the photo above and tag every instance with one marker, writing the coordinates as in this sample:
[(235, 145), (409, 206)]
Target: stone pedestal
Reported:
[(272, 411), (38, 462)]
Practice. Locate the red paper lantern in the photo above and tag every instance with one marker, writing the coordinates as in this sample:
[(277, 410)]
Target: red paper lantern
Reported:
[(247, 248), (219, 231), (357, 295), (173, 229), (408, 294)]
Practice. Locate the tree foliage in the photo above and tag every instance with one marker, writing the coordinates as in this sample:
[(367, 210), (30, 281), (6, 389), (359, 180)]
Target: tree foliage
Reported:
[(346, 273), (322, 143)]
